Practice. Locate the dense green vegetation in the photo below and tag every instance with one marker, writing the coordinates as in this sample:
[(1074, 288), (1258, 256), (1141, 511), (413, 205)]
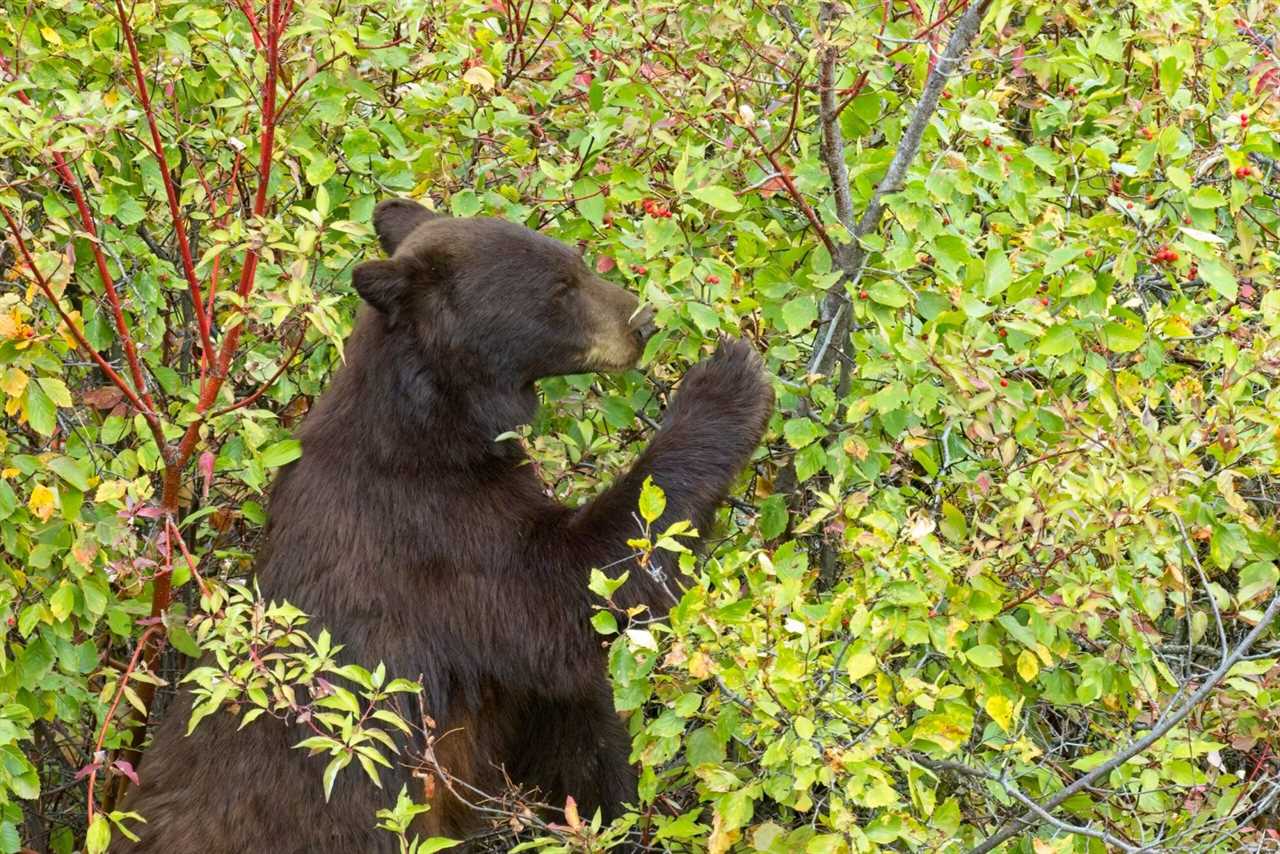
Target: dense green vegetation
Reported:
[(1010, 549)]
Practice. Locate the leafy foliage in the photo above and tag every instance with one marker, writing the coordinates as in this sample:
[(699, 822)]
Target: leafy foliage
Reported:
[(1033, 505)]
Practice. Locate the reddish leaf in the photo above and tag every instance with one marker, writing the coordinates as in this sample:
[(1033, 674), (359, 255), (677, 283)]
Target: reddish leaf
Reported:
[(1266, 76), (1019, 57), (126, 768), (103, 397), (206, 473)]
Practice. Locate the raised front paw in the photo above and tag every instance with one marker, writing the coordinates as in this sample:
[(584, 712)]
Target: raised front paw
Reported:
[(731, 383)]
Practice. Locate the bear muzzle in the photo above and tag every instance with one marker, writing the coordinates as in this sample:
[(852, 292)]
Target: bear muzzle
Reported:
[(642, 326)]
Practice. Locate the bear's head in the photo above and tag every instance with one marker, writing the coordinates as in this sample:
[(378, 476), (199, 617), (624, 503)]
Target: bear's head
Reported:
[(497, 297)]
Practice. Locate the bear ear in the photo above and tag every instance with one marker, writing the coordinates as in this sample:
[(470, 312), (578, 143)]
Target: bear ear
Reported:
[(382, 284), (395, 219)]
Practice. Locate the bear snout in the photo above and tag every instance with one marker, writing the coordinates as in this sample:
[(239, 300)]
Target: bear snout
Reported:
[(641, 324)]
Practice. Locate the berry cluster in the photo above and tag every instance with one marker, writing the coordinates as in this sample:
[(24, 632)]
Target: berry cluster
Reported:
[(655, 210)]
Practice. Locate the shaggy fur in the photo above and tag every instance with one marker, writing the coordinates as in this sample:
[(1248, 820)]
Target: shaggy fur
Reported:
[(419, 541)]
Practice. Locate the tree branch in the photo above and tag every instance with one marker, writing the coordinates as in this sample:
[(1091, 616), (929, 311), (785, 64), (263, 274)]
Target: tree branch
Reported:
[(100, 259), (833, 319), (832, 136), (170, 191), (1167, 722)]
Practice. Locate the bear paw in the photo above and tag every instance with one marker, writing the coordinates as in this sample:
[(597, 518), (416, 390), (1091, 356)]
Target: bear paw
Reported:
[(732, 382)]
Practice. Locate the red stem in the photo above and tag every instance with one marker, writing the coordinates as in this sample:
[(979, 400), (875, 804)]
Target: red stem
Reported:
[(171, 192), (115, 379), (106, 721), (104, 274)]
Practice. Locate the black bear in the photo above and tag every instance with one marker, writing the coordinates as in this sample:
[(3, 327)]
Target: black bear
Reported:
[(420, 541)]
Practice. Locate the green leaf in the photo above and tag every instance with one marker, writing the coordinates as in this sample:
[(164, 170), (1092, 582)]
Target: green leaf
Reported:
[(801, 432), (887, 292), (42, 415), (799, 313), (319, 170), (1058, 340), (57, 390), (719, 197), (281, 453), (984, 656), (703, 316), (183, 642), (604, 623), (336, 764), (592, 209), (773, 517), (1219, 278), (98, 837), (953, 524), (1120, 338), (62, 601), (71, 471), (999, 274)]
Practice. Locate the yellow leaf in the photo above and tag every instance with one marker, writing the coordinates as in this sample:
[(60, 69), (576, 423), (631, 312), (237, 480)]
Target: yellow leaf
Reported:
[(860, 664), (66, 333), (51, 35), (480, 76), (42, 502), (14, 382), (5, 474), (1028, 665), (110, 490), (1001, 711)]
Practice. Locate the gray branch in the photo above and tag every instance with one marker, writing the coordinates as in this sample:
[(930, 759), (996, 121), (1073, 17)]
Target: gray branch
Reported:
[(1168, 721), (832, 136), (834, 316)]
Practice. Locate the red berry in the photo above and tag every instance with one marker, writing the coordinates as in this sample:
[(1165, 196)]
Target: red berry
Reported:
[(1129, 205), (1171, 256), (986, 140), (1071, 89), (639, 269), (1148, 133), (863, 295), (1186, 220), (946, 94), (1194, 272), (1044, 301), (999, 148), (1004, 383), (1002, 332), (713, 279), (1244, 120), (1089, 253), (1243, 171)]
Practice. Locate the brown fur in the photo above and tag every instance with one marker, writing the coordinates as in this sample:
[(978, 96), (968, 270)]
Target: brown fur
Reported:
[(420, 542)]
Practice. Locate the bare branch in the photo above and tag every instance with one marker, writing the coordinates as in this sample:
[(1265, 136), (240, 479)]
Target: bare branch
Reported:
[(834, 316), (832, 136), (1168, 721)]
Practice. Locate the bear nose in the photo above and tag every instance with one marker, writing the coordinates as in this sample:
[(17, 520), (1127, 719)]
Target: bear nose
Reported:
[(642, 324)]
